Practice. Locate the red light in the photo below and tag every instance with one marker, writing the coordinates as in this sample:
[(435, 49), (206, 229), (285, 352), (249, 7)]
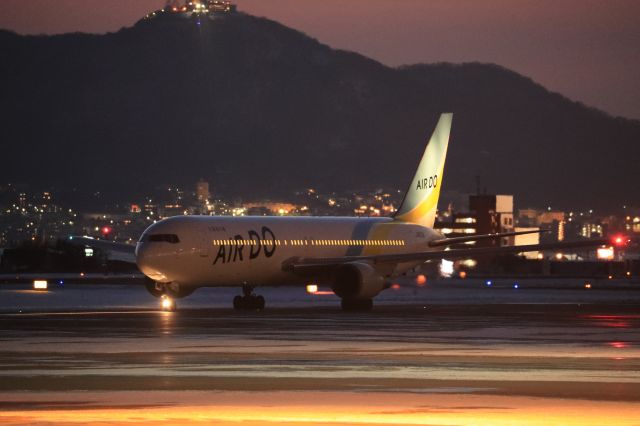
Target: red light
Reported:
[(619, 240), (106, 230), (619, 345)]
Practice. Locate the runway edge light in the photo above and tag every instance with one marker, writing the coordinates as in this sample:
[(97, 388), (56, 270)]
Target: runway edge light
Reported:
[(40, 284)]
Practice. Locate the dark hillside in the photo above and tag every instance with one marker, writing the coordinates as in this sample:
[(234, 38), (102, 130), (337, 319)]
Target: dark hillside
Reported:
[(258, 108)]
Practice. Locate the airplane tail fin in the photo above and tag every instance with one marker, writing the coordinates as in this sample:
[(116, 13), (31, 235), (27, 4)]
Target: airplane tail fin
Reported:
[(421, 199)]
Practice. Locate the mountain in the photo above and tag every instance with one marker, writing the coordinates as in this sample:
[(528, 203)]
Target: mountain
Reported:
[(260, 109)]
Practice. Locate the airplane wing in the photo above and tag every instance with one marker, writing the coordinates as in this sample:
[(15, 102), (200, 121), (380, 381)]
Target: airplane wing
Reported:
[(311, 266)]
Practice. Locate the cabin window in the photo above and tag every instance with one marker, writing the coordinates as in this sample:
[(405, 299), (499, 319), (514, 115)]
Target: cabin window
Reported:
[(164, 238)]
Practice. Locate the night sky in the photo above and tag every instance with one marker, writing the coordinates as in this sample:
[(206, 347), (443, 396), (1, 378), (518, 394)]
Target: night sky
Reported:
[(588, 50)]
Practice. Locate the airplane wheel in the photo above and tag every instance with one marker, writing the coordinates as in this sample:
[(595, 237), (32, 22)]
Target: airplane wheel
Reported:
[(356, 305), (259, 303), (248, 303), (237, 303)]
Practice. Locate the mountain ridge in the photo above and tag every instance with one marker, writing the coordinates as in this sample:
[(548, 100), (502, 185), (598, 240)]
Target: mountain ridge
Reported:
[(259, 108)]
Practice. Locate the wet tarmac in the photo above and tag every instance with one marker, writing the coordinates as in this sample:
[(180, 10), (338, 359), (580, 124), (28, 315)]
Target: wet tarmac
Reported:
[(440, 356)]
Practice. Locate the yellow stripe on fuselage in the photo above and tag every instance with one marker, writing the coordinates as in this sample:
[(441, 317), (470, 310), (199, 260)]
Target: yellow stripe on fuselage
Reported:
[(378, 232)]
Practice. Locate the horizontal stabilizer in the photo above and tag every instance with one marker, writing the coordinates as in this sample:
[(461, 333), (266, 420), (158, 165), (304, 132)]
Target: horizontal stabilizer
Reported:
[(459, 240)]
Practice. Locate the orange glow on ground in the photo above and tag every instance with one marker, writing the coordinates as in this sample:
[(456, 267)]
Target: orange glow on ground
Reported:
[(337, 408), (323, 293)]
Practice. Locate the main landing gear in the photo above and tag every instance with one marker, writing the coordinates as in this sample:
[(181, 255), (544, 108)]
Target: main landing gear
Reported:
[(248, 301), (353, 305)]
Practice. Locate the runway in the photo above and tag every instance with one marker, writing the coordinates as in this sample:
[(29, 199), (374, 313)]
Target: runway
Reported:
[(457, 361)]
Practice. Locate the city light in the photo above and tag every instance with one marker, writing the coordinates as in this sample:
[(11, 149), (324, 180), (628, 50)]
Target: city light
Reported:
[(605, 253), (312, 288)]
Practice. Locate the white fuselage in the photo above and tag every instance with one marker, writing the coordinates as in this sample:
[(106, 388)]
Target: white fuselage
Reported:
[(197, 251)]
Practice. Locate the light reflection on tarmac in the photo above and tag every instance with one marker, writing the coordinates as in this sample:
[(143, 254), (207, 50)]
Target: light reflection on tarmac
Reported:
[(467, 363)]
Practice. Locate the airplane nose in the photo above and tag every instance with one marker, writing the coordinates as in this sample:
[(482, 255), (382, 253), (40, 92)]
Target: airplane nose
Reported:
[(147, 261)]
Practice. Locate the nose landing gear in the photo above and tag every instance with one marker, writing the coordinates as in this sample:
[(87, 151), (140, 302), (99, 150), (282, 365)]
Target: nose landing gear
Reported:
[(248, 301)]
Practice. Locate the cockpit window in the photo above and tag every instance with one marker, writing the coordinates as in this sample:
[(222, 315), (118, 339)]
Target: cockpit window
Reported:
[(166, 238)]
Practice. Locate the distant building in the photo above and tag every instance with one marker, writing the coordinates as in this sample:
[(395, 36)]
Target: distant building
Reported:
[(276, 208), (202, 191), (488, 214), (550, 220), (549, 216), (527, 239), (494, 213)]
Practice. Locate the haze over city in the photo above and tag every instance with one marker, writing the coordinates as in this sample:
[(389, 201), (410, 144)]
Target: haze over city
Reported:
[(585, 49)]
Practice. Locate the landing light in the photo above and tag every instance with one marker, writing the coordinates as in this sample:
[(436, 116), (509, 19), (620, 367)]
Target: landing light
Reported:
[(516, 286), (489, 283), (40, 284), (167, 304)]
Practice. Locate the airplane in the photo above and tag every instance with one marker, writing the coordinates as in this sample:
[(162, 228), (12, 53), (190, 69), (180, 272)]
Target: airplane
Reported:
[(358, 257)]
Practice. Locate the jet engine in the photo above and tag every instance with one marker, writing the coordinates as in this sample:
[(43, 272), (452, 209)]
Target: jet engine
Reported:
[(357, 281), (173, 290)]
